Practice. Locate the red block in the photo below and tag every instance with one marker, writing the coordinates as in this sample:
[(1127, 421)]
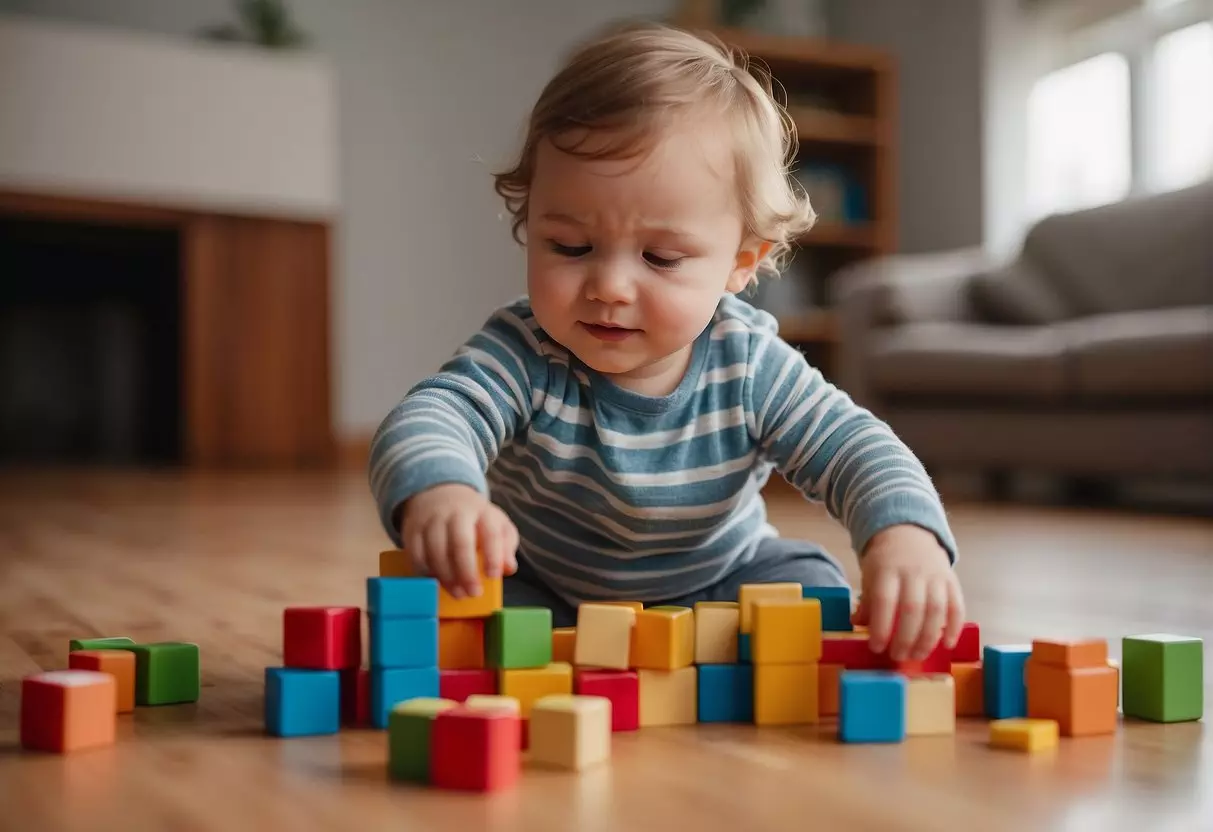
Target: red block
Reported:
[(322, 638), (938, 660), (68, 710), (852, 653), (622, 687), (968, 648), (458, 685), (356, 696), (475, 750)]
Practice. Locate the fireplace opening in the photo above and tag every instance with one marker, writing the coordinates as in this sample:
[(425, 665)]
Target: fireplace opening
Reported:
[(90, 354)]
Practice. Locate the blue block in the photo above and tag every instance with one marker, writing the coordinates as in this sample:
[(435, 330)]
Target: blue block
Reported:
[(392, 685), (302, 703), (835, 606), (743, 648), (726, 692), (402, 597), (871, 706), (1005, 689), (403, 642)]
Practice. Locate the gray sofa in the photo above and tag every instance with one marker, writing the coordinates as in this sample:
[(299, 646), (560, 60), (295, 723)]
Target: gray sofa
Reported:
[(1088, 354)]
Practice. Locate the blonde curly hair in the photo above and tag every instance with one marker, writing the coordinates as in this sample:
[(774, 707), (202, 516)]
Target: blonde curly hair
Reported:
[(638, 78)]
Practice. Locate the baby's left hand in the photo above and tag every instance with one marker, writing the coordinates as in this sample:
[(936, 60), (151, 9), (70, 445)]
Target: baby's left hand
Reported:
[(909, 583)]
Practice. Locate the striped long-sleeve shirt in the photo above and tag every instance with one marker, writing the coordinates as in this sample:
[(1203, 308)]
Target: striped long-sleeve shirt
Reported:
[(621, 495)]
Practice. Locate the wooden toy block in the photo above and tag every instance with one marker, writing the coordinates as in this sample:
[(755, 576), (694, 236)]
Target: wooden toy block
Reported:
[(396, 563), (402, 597), (531, 683), (1081, 700), (356, 697), (410, 732), (461, 644), (665, 638), (301, 702), (968, 646), (668, 697), (930, 705), (403, 642), (969, 686), (166, 673), (1162, 677), (322, 638), (1003, 679), (939, 660), (835, 606), (118, 663), (477, 750), (393, 685), (850, 650), (489, 702), (744, 654), (1022, 734), (458, 685), (571, 732), (726, 693), (717, 625), (827, 689), (786, 632), (747, 594), (68, 710), (1090, 652), (872, 706), (622, 687), (634, 606), (564, 644), (604, 636), (109, 643), (785, 694), (518, 637)]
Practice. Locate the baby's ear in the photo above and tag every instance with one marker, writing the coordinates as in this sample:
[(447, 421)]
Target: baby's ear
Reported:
[(749, 258)]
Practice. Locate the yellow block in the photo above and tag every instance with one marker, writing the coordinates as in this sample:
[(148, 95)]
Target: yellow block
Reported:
[(1024, 734), (527, 684), (604, 636), (665, 638), (786, 632), (749, 593), (461, 644), (717, 624), (570, 732), (930, 705), (669, 697), (564, 644), (489, 702), (634, 606), (396, 563), (785, 694)]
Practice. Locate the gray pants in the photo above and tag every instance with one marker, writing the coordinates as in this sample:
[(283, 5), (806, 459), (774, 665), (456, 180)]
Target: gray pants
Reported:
[(776, 560)]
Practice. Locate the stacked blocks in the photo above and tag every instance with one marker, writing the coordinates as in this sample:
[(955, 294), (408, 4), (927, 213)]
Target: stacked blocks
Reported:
[(621, 687), (356, 696), (529, 684), (519, 637), (118, 663), (786, 639), (571, 732), (396, 563), (872, 706), (410, 729), (1022, 734), (321, 655), (835, 606), (726, 693), (301, 702), (1071, 683), (402, 617), (321, 638), (1163, 677), (110, 643), (68, 710), (664, 656), (458, 685), (478, 749), (1003, 680), (564, 644), (604, 636), (461, 644), (717, 626), (930, 705)]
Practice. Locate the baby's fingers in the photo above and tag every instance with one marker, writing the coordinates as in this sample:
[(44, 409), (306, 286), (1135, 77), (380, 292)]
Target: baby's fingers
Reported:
[(880, 609), (465, 572), (956, 615), (910, 614), (492, 543), (936, 612)]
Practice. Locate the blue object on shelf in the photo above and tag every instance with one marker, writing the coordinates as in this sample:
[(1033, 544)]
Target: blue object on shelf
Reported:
[(871, 706), (302, 703), (726, 692)]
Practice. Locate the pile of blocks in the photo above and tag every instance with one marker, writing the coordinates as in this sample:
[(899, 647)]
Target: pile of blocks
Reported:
[(77, 708)]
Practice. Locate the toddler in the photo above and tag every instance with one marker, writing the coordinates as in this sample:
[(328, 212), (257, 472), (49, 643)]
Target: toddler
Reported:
[(608, 435)]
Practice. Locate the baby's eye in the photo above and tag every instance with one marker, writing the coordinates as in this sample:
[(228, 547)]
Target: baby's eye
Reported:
[(568, 251), (662, 262)]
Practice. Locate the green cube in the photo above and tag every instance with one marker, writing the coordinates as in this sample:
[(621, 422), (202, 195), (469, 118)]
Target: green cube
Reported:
[(166, 673), (519, 637), (1162, 677), (114, 643), (409, 725)]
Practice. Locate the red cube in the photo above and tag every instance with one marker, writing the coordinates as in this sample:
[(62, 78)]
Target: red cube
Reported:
[(968, 647), (622, 687), (939, 660), (458, 685), (322, 638), (478, 750), (68, 710), (356, 697), (852, 652)]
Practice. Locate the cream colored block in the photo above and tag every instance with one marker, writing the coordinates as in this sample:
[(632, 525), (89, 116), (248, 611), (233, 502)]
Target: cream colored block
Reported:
[(749, 593), (930, 705), (717, 624), (490, 702), (669, 697), (604, 636), (570, 731)]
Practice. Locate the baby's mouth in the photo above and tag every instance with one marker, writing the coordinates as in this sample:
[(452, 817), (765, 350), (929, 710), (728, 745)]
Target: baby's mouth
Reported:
[(608, 332)]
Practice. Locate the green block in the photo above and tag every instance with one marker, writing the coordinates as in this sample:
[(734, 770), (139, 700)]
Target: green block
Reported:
[(1162, 677), (408, 727), (519, 637), (115, 643), (166, 673)]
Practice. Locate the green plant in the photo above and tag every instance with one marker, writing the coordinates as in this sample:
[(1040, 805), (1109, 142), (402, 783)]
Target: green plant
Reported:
[(263, 22)]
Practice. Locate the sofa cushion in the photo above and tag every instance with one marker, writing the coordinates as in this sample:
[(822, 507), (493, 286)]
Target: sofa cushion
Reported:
[(1151, 354), (967, 360), (1017, 293)]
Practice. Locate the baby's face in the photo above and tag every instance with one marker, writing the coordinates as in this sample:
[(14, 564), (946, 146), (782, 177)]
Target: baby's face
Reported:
[(627, 259)]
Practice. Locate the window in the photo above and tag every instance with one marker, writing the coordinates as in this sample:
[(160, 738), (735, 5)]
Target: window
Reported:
[(1181, 145)]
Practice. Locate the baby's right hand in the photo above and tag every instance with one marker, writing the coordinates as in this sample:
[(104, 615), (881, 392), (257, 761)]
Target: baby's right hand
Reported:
[(445, 526)]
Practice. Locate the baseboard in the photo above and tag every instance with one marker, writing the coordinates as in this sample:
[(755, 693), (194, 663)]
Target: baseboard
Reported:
[(353, 451)]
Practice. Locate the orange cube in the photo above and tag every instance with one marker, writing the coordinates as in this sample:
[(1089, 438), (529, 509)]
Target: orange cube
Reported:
[(663, 638), (397, 563), (68, 710), (461, 644), (1089, 652), (827, 689), (564, 644), (1081, 700), (970, 691), (118, 663)]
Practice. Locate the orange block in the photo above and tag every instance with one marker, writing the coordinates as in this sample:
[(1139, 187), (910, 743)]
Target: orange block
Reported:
[(118, 663), (636, 606), (970, 692), (68, 710), (827, 689), (664, 638), (461, 644), (564, 644), (1082, 701), (396, 563), (1088, 652)]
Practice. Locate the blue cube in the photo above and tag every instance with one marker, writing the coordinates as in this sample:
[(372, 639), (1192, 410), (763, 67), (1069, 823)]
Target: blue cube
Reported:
[(393, 685), (302, 703), (743, 648), (402, 597), (403, 642), (726, 692), (1005, 688), (835, 606), (871, 706)]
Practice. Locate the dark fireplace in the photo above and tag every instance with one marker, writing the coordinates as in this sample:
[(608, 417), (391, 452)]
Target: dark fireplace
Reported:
[(90, 354)]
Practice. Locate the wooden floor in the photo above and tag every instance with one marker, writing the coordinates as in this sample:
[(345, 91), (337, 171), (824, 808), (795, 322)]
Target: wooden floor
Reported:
[(214, 560)]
